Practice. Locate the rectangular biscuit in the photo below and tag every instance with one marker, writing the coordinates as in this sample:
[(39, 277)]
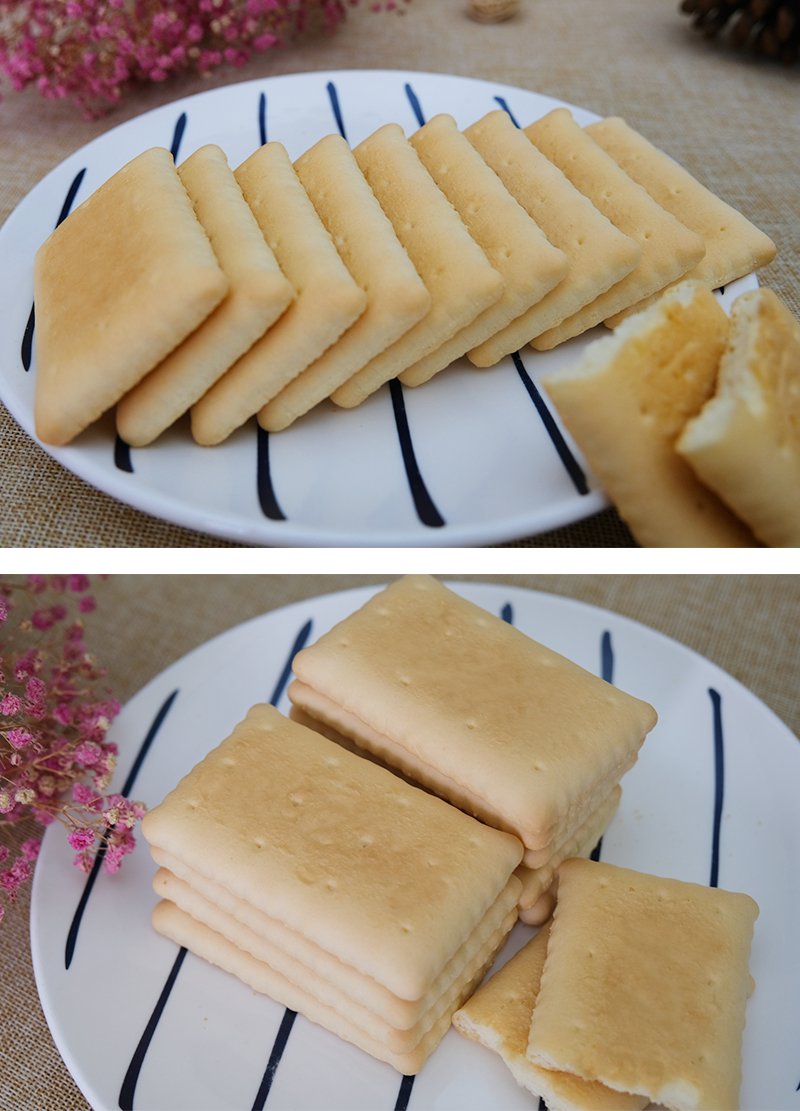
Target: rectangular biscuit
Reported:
[(598, 253), (364, 237), (734, 246), (328, 299), (381, 874), (745, 441), (514, 244), (398, 1039), (315, 710), (535, 737), (668, 248), (174, 879), (499, 1015), (115, 294), (184, 930), (322, 713), (626, 401), (461, 281), (258, 295), (644, 985)]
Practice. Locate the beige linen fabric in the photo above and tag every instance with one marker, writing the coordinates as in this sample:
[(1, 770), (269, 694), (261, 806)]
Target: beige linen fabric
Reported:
[(747, 624), (639, 59)]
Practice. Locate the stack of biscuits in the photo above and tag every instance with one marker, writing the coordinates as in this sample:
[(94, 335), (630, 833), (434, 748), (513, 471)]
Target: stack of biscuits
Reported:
[(326, 882), (265, 290), (634, 993), (464, 704)]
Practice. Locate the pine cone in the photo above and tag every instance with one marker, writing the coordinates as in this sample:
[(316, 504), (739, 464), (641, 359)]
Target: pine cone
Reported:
[(766, 27)]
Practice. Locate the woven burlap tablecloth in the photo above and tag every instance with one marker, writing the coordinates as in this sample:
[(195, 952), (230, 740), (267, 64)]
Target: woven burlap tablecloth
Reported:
[(731, 120), (747, 624)]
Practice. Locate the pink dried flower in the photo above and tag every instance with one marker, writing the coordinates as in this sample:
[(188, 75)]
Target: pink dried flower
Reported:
[(87, 754), (84, 861), (82, 838), (18, 737), (63, 713), (91, 52), (53, 725), (86, 796), (30, 848), (10, 705)]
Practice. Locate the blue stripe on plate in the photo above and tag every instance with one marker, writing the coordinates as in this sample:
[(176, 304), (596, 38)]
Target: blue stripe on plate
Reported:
[(606, 657), (285, 1029), (127, 787), (404, 1095), (128, 1088), (177, 135), (122, 455), (266, 491), (719, 783), (262, 118), (413, 100), (571, 465), (337, 112), (501, 101), (423, 503)]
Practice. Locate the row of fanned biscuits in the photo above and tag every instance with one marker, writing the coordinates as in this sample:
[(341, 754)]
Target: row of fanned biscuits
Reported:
[(268, 289)]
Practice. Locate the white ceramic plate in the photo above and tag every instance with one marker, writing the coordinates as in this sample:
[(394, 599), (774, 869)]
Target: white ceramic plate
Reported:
[(212, 1043), (473, 457)]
